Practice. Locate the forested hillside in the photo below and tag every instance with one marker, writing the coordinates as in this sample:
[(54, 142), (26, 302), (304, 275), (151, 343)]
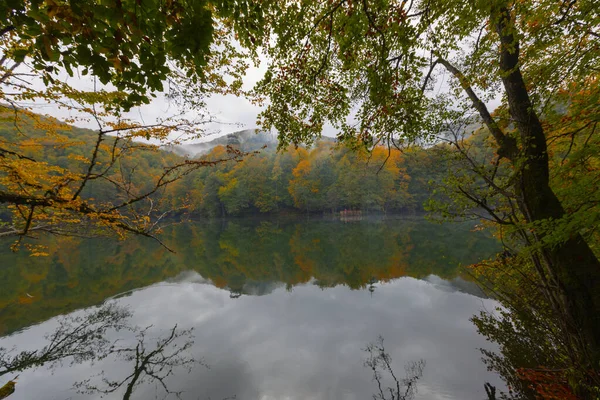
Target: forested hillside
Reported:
[(323, 178), (50, 147)]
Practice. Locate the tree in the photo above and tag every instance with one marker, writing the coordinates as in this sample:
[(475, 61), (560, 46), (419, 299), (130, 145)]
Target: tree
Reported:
[(248, 184), (302, 188), (380, 362), (285, 162), (132, 50), (77, 339), (368, 68), (133, 45), (153, 359)]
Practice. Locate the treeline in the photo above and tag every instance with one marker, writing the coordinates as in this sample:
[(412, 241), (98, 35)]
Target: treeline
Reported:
[(325, 178)]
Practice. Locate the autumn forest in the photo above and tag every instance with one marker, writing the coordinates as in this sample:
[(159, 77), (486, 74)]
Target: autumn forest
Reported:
[(416, 188)]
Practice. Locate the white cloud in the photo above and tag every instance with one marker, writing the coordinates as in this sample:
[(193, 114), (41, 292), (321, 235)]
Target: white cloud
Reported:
[(300, 345)]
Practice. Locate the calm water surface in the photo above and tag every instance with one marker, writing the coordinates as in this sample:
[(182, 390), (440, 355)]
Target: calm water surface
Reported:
[(280, 308)]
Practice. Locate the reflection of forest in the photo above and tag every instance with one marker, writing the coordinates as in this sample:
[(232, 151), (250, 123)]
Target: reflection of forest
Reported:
[(245, 256)]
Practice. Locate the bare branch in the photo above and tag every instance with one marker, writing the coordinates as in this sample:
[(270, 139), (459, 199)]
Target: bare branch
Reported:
[(507, 146)]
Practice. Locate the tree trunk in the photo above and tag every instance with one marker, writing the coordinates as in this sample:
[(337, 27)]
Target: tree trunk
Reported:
[(572, 263)]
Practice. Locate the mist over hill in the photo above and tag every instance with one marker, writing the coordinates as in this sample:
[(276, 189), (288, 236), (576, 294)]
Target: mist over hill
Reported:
[(245, 140)]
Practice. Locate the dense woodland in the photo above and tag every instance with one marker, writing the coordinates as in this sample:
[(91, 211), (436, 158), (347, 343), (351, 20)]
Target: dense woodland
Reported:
[(386, 76), (323, 178)]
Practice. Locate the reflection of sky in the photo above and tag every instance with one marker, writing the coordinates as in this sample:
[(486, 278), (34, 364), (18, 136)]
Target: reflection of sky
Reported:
[(304, 344)]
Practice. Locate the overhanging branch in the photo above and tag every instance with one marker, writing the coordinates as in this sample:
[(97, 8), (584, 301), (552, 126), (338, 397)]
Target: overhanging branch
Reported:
[(507, 145)]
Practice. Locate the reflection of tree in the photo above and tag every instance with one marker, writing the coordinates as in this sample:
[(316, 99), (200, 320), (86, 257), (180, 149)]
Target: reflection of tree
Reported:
[(535, 354), (380, 362), (490, 391), (85, 337), (294, 252), (232, 254), (77, 339), (151, 364), (372, 286)]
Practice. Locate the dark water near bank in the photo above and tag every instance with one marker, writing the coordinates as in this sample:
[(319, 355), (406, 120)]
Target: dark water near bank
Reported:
[(280, 309)]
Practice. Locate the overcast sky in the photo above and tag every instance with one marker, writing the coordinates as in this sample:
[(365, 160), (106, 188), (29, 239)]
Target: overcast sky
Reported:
[(231, 113)]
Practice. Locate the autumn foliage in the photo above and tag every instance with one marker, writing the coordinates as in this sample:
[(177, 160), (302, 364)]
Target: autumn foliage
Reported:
[(548, 384)]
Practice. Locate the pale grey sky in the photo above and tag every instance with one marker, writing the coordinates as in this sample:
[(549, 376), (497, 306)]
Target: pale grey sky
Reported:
[(230, 113)]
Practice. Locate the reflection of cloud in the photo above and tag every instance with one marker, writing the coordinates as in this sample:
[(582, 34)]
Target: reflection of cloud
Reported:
[(307, 344), (222, 380), (456, 284)]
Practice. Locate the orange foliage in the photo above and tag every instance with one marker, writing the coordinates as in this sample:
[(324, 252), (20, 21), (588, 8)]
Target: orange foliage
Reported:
[(548, 384)]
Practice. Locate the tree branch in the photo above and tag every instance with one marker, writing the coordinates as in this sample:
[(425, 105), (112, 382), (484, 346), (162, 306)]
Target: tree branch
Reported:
[(9, 72), (507, 146), (91, 165), (7, 29), (428, 76)]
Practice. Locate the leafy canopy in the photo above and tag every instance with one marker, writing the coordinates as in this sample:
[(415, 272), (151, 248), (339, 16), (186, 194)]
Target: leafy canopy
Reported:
[(368, 67), (133, 44), (133, 49)]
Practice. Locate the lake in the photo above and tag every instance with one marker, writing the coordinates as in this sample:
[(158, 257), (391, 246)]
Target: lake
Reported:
[(280, 308)]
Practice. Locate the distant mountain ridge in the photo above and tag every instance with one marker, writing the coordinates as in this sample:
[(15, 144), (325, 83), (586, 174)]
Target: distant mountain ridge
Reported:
[(245, 140)]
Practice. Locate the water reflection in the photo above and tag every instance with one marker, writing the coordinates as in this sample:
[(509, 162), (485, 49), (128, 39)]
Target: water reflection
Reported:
[(76, 339), (302, 340), (245, 256), (152, 360), (380, 362), (105, 335), (84, 338), (298, 345)]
